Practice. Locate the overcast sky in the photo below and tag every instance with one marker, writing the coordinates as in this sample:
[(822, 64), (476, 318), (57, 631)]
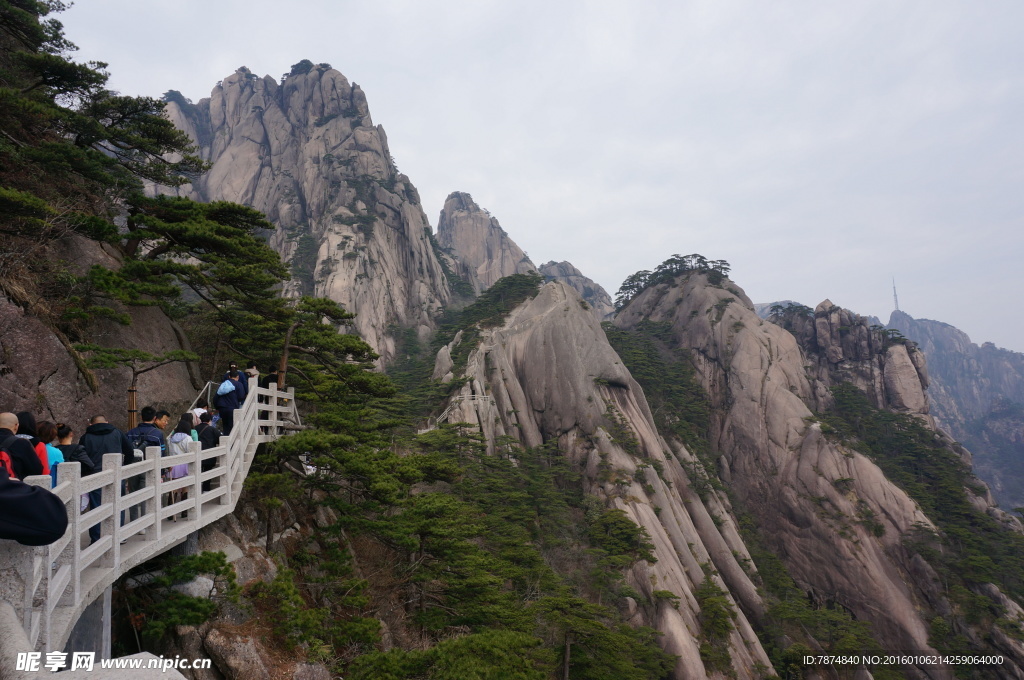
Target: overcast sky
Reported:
[(821, 148)]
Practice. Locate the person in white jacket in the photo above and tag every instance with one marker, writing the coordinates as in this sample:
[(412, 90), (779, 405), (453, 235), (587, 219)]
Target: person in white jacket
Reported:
[(178, 444)]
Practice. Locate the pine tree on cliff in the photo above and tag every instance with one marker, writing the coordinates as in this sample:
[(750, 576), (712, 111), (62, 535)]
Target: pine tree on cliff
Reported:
[(74, 157)]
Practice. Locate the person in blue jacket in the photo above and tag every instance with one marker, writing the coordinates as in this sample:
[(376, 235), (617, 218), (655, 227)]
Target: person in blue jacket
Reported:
[(229, 401), (242, 379)]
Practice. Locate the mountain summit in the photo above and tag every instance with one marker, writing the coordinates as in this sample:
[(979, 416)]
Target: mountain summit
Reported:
[(305, 152)]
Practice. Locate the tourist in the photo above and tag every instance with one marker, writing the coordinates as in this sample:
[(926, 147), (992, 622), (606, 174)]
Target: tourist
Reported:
[(22, 455), (101, 438), (179, 444), (27, 430), (29, 514), (47, 433)]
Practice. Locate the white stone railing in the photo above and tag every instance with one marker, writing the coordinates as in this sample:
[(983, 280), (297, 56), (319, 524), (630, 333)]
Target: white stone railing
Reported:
[(432, 423), (50, 586)]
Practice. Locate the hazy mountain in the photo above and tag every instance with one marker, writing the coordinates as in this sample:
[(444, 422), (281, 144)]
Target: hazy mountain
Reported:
[(977, 393)]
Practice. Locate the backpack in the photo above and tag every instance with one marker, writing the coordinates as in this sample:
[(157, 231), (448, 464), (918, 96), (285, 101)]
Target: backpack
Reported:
[(140, 440), (5, 458)]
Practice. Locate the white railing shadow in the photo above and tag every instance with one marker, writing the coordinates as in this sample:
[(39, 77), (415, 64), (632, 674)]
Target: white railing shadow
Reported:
[(50, 586)]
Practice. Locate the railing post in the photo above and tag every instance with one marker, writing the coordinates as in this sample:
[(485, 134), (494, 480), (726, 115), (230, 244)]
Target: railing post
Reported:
[(71, 472), (112, 525), (197, 486), (154, 479)]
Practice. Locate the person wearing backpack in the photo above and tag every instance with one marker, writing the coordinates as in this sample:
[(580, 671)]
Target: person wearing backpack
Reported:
[(101, 438), (27, 430), (209, 437), (146, 434), (229, 398), (47, 433), (18, 452), (75, 453), (242, 388), (179, 444)]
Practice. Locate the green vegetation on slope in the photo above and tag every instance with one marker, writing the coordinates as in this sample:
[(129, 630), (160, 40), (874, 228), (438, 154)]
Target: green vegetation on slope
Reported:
[(677, 400), (470, 544), (971, 548), (415, 363), (997, 439), (793, 624), (74, 157)]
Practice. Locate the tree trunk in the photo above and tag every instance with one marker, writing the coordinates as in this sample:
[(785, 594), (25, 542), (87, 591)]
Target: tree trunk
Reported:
[(565, 660), (133, 405), (282, 368)]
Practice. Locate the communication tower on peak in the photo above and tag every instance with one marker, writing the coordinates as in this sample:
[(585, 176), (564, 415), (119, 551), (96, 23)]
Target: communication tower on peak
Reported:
[(895, 299)]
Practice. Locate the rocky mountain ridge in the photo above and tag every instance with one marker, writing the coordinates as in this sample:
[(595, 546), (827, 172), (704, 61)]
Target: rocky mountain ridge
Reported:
[(591, 292), (836, 520), (483, 251), (306, 153)]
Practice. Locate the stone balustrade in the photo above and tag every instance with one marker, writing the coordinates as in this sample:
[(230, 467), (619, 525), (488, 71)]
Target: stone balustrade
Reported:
[(50, 586)]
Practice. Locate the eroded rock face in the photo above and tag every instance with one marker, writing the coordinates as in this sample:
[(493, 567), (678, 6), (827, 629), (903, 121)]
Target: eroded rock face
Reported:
[(306, 153), (841, 346), (809, 493), (40, 373), (591, 292), (549, 374), (483, 251)]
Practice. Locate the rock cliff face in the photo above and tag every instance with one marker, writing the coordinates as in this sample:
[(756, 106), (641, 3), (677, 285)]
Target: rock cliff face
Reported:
[(306, 153), (549, 374), (844, 347), (840, 526), (41, 375), (591, 292), (483, 251), (977, 395), (776, 459)]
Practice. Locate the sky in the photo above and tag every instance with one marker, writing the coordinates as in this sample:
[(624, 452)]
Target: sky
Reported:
[(823, 149)]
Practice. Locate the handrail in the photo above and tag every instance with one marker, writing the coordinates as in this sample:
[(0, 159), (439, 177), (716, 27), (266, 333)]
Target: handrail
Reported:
[(50, 586), (434, 422)]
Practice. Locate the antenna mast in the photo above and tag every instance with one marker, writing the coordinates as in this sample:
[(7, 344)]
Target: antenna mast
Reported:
[(895, 300)]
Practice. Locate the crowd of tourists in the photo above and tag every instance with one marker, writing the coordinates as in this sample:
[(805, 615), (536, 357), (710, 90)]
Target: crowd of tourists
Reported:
[(33, 516)]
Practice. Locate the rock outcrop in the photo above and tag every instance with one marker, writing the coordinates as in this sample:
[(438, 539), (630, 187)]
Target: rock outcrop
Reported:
[(967, 378), (847, 347), (483, 251), (591, 292), (776, 459), (548, 374), (306, 153)]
